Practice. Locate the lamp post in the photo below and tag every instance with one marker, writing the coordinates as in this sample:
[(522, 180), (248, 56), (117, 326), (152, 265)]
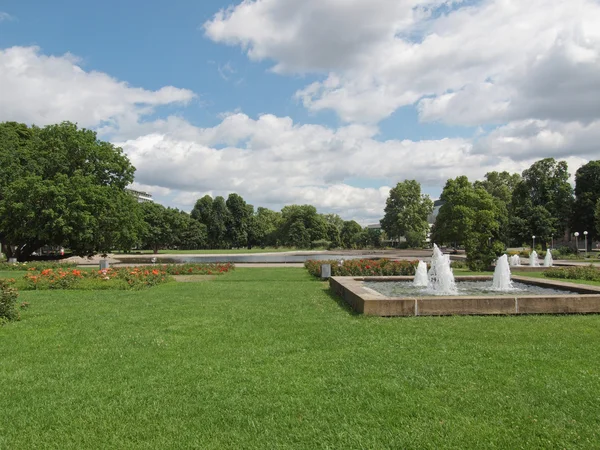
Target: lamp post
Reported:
[(585, 234), (552, 242), (576, 234), (533, 248)]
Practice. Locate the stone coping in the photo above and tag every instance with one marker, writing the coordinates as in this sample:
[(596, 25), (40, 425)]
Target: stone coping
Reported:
[(581, 299)]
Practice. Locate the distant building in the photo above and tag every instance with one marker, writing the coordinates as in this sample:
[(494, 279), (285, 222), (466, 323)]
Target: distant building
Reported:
[(437, 204), (141, 196)]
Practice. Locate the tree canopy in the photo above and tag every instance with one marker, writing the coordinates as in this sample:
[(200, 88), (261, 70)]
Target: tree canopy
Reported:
[(61, 186), (587, 195), (406, 212)]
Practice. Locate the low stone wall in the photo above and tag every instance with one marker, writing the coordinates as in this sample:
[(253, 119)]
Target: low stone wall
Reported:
[(581, 299)]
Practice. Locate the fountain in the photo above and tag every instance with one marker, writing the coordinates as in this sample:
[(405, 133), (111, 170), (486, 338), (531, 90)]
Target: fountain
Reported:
[(533, 259), (421, 279), (548, 261), (501, 281), (441, 278), (515, 260), (500, 295)]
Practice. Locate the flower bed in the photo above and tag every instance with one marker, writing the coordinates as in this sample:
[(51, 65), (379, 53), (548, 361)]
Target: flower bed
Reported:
[(363, 267), (115, 278), (197, 269), (120, 278)]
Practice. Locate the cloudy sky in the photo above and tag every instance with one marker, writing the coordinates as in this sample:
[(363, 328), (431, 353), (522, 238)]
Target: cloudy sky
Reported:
[(327, 102)]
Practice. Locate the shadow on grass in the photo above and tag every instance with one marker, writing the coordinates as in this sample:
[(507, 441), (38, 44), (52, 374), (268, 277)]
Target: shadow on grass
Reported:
[(339, 300)]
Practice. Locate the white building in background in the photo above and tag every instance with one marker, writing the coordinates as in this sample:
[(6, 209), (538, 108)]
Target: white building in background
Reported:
[(141, 196)]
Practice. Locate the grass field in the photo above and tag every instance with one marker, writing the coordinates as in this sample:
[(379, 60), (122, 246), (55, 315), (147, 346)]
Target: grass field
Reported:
[(267, 358), (217, 252)]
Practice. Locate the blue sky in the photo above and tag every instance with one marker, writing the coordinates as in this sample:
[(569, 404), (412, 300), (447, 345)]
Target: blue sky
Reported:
[(354, 96)]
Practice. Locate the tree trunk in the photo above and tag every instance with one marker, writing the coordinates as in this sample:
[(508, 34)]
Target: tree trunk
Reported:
[(156, 249)]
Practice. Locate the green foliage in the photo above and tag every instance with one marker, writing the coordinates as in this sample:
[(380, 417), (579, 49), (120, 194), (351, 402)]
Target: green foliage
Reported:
[(587, 198), (469, 216), (351, 234), (8, 301), (60, 185), (501, 185), (542, 202), (363, 267), (238, 220), (589, 273), (406, 212), (597, 217), (36, 265)]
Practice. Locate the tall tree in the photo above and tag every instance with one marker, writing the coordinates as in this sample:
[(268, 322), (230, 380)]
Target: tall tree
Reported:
[(202, 210), (61, 186), (542, 202), (264, 227), (469, 216), (501, 185), (314, 226), (351, 234), (238, 220), (406, 211), (217, 229), (587, 195)]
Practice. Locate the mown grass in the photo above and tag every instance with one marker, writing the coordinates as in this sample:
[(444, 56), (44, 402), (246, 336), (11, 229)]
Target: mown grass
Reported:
[(216, 252), (268, 358)]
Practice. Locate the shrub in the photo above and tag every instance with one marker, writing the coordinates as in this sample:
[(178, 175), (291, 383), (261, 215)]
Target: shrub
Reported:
[(52, 279), (37, 265), (458, 264), (197, 269), (363, 267), (8, 300), (589, 273)]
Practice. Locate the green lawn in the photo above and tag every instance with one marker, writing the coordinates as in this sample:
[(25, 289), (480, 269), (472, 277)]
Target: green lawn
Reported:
[(216, 252), (267, 358)]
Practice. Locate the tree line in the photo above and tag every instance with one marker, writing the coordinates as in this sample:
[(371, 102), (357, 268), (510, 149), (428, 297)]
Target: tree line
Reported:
[(62, 186)]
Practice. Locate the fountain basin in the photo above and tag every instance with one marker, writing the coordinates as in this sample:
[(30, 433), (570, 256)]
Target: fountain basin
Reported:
[(572, 299)]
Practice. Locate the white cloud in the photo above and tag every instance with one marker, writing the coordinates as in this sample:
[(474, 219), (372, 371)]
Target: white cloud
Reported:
[(40, 89), (271, 161), (491, 62), (5, 17)]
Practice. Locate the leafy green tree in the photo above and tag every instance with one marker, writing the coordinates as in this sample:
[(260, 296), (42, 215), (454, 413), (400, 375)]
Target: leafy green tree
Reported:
[(299, 236), (190, 234), (264, 227), (351, 234), (217, 228), (501, 185), (238, 220), (312, 223), (161, 224), (61, 186), (406, 212), (542, 202), (597, 216), (202, 210), (469, 216), (587, 195)]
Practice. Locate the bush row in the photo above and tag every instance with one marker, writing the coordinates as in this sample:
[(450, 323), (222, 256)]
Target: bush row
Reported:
[(36, 265), (197, 269), (120, 278), (363, 267), (589, 273), (8, 301)]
